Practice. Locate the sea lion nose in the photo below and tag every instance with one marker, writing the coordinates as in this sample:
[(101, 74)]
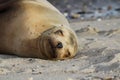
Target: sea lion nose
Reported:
[(59, 45)]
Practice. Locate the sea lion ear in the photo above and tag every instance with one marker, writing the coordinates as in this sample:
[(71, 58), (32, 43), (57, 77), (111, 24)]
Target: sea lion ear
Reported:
[(59, 32)]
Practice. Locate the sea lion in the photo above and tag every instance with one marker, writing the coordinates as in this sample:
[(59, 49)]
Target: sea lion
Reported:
[(35, 28)]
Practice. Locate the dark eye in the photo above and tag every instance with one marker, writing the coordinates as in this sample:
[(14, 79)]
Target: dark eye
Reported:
[(59, 32), (59, 45)]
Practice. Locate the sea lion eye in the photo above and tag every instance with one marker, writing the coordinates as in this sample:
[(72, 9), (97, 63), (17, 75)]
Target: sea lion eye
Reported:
[(59, 32), (59, 45)]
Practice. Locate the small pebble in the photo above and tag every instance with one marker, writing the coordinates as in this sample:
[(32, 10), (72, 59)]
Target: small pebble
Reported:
[(31, 78), (75, 16), (70, 79), (36, 73), (108, 79), (99, 19), (38, 66), (65, 14), (73, 65), (13, 65)]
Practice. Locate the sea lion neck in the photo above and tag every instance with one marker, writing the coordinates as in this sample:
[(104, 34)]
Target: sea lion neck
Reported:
[(46, 45)]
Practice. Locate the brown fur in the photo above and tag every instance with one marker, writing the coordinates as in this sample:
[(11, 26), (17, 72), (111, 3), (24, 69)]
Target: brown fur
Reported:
[(5, 4), (34, 28)]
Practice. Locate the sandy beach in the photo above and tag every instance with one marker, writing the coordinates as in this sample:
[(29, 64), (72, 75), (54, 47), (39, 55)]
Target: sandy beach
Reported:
[(98, 57)]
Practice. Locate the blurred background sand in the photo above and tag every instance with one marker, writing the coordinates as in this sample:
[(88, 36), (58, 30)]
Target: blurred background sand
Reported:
[(88, 9)]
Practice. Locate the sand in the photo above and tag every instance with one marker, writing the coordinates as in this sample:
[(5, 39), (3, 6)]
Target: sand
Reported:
[(98, 57)]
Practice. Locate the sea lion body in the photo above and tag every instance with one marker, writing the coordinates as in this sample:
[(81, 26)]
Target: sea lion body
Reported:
[(32, 28)]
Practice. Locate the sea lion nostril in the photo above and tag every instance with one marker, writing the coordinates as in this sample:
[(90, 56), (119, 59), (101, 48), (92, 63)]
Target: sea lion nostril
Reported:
[(59, 45)]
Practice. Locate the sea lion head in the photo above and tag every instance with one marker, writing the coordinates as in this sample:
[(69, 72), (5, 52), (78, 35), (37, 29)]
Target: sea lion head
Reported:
[(58, 43)]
